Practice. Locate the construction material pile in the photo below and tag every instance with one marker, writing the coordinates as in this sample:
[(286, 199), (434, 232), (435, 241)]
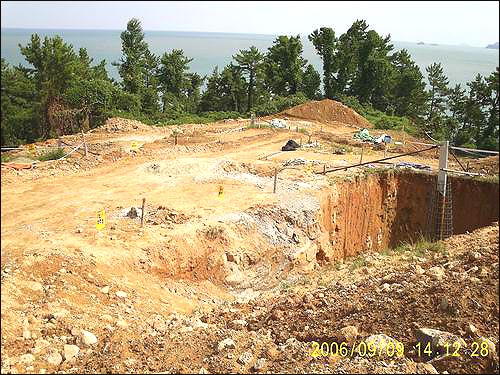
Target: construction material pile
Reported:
[(364, 136), (327, 111)]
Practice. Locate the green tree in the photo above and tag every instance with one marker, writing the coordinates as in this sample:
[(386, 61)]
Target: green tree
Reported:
[(175, 81), (194, 92), (456, 126), (17, 100), (150, 99), (131, 66), (226, 91), (438, 93), (249, 62), (489, 136), (409, 96), (53, 66), (347, 56), (481, 111), (325, 43), (311, 82), (375, 74), (284, 65)]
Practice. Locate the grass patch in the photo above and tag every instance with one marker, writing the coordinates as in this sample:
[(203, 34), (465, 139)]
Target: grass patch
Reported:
[(178, 118), (359, 262), (259, 126), (286, 285), (421, 248), (6, 158), (387, 251), (367, 171), (52, 155), (380, 119)]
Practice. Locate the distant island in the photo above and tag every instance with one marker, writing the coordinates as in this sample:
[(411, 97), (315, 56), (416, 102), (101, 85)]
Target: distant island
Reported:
[(492, 46), (423, 44)]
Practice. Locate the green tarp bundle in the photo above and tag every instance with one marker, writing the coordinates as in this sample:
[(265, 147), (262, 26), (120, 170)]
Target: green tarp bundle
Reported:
[(364, 135)]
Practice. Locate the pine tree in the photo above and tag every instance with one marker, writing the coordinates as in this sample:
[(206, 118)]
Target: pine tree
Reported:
[(131, 66), (325, 43), (311, 82), (250, 62), (174, 80), (284, 66), (438, 93), (409, 96)]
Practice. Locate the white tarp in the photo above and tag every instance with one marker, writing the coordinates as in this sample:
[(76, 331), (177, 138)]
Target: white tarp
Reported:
[(277, 123)]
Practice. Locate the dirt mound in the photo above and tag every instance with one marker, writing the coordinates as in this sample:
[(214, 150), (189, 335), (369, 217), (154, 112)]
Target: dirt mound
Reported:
[(117, 124), (327, 111), (166, 216)]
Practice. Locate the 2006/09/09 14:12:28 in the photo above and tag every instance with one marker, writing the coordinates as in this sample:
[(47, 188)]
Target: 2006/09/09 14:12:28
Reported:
[(396, 349)]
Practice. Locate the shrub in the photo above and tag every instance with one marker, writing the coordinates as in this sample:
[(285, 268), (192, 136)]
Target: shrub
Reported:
[(52, 155), (6, 158), (279, 103)]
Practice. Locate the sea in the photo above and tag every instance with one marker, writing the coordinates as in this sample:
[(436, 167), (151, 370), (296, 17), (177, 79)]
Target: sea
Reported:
[(460, 63)]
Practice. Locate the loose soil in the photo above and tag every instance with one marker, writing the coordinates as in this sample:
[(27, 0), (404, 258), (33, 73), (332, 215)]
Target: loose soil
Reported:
[(270, 271), (327, 111)]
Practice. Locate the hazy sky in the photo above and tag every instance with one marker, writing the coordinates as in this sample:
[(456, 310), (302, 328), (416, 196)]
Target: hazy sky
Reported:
[(473, 22)]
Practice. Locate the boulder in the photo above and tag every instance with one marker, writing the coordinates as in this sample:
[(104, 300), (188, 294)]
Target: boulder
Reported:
[(438, 340)]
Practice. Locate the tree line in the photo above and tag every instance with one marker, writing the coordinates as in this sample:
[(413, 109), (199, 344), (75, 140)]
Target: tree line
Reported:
[(63, 91)]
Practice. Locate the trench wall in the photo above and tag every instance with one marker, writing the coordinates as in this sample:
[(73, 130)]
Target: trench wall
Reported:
[(378, 211)]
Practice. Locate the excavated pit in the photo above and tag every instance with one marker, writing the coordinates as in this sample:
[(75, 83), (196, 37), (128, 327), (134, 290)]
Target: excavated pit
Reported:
[(267, 243), (382, 210)]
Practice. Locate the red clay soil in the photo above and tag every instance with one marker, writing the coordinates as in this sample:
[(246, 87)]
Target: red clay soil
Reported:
[(383, 210), (327, 111)]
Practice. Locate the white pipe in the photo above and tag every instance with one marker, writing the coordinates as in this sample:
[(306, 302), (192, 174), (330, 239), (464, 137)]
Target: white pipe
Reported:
[(474, 149)]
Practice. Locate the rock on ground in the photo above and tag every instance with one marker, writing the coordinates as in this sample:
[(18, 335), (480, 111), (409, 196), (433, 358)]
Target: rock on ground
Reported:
[(70, 351), (88, 338)]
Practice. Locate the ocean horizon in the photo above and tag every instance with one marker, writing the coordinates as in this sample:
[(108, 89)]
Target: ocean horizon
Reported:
[(461, 63)]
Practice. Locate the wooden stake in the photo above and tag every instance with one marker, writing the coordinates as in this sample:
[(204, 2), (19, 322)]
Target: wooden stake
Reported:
[(297, 129), (84, 145), (362, 149), (142, 213), (324, 168), (275, 178), (175, 139)]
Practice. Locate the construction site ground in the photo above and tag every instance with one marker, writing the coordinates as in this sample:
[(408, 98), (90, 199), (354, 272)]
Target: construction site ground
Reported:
[(205, 286)]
